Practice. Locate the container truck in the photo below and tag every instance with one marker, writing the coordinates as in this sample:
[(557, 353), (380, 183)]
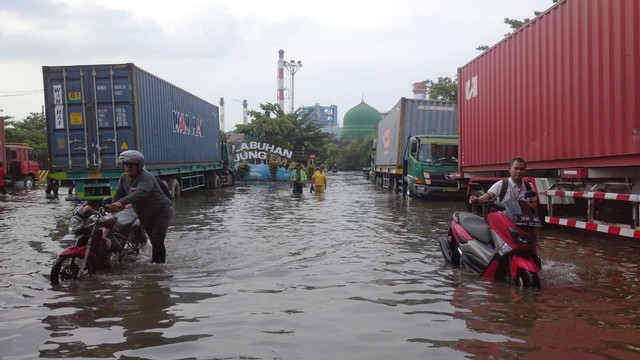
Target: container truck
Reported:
[(563, 92), (19, 161), (94, 112), (416, 148)]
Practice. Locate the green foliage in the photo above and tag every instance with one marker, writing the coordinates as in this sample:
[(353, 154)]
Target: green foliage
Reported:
[(514, 24), (443, 89), (5, 117), (355, 154), (289, 130), (273, 169), (31, 131), (311, 169), (243, 170)]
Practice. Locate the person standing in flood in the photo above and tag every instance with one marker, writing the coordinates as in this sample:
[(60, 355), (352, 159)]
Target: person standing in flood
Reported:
[(319, 180), (3, 173), (298, 179)]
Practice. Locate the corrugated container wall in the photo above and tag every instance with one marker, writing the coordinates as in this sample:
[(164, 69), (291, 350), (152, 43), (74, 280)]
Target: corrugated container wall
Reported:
[(410, 117), (94, 112), (3, 152), (563, 91)]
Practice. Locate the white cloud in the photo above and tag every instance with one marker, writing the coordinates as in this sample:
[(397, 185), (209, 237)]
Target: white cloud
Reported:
[(229, 49)]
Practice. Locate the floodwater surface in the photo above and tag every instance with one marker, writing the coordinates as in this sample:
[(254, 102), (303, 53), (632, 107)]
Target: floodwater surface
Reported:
[(255, 272)]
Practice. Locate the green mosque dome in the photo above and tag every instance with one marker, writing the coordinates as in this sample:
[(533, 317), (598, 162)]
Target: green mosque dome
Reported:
[(360, 121)]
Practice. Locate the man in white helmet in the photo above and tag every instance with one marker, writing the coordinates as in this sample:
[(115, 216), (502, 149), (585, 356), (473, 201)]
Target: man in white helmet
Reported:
[(140, 188)]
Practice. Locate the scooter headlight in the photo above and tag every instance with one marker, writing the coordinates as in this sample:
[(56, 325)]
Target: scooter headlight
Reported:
[(75, 224), (522, 238)]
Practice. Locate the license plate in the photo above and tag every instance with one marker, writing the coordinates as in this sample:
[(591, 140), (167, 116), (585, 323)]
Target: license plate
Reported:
[(527, 220)]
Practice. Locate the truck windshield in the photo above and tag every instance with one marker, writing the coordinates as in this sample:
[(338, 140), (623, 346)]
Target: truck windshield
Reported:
[(437, 152)]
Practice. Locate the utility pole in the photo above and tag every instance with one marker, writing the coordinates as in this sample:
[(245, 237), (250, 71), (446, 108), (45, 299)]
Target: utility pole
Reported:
[(292, 67)]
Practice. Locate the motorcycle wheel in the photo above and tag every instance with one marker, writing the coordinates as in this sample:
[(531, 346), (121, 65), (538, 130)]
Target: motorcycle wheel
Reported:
[(453, 247), (455, 254), (527, 280), (67, 268)]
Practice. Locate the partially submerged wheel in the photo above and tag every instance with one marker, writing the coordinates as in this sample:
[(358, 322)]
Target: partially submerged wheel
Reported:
[(175, 187), (28, 182), (527, 280), (67, 268), (449, 249)]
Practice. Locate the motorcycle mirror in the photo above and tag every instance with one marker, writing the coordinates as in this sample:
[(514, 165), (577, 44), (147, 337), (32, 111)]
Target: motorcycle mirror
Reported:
[(107, 200)]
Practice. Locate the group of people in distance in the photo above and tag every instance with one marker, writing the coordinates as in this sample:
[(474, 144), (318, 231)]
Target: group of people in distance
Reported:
[(299, 179)]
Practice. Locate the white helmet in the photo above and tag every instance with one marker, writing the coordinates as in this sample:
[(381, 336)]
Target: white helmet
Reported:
[(132, 157)]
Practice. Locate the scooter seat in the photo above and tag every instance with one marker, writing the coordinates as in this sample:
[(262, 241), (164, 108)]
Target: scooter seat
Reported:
[(126, 218), (476, 226)]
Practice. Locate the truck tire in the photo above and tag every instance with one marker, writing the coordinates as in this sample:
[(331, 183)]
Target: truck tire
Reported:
[(28, 182), (216, 181), (208, 181), (175, 188)]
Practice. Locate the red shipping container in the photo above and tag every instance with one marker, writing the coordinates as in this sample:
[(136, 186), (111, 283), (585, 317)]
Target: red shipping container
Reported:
[(562, 91), (3, 152)]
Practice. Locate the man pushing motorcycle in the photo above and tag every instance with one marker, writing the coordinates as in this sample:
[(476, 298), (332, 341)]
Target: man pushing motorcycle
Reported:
[(140, 188), (512, 189)]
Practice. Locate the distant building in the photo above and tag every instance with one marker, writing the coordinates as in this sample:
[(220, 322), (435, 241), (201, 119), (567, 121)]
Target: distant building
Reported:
[(360, 121), (327, 116)]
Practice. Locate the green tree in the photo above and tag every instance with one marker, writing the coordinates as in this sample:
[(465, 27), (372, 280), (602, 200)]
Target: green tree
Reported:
[(443, 89), (5, 117), (289, 130), (356, 154), (514, 24), (31, 131)]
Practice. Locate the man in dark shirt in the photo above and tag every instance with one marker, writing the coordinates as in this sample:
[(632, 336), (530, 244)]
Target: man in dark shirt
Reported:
[(140, 188)]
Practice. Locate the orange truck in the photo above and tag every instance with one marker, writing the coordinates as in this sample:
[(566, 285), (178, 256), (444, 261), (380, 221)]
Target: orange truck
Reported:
[(19, 161)]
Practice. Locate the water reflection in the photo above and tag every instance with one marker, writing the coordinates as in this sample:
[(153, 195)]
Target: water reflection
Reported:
[(355, 272), (105, 318)]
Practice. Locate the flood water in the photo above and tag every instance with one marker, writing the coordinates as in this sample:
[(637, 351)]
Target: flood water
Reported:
[(255, 272)]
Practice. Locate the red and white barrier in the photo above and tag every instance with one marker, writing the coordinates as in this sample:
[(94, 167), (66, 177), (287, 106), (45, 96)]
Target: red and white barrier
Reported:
[(586, 225)]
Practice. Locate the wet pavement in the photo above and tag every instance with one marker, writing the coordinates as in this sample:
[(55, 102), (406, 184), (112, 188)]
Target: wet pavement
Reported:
[(255, 272)]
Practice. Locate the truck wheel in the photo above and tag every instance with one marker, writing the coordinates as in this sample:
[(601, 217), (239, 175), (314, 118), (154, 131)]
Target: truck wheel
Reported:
[(216, 181), (208, 181), (175, 188), (28, 182)]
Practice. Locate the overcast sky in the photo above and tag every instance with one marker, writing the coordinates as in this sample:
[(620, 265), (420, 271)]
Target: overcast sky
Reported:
[(350, 50)]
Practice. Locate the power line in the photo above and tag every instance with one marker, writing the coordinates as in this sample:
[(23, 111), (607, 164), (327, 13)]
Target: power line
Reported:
[(20, 93)]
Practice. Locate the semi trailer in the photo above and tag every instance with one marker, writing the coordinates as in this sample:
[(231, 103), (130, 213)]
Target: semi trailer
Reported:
[(562, 92), (417, 147), (94, 112)]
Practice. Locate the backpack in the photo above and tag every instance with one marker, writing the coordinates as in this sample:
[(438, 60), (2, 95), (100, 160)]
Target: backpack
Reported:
[(164, 187), (505, 187)]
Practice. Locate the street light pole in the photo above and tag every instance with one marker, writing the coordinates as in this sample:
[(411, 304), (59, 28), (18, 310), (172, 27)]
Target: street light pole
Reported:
[(292, 67)]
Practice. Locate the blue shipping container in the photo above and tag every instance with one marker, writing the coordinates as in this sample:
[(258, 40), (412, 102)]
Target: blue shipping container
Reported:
[(94, 112)]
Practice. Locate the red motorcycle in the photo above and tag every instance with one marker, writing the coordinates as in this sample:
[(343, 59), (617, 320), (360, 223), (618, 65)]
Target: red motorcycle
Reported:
[(502, 247), (102, 240)]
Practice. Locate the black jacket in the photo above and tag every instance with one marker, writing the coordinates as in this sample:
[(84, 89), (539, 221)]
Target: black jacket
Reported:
[(145, 194)]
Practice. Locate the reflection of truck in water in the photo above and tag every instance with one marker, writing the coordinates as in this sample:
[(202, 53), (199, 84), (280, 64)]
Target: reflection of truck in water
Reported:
[(19, 161), (417, 147), (94, 112), (567, 99)]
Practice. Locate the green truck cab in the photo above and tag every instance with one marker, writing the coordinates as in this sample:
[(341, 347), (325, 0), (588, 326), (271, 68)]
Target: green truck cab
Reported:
[(431, 165)]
